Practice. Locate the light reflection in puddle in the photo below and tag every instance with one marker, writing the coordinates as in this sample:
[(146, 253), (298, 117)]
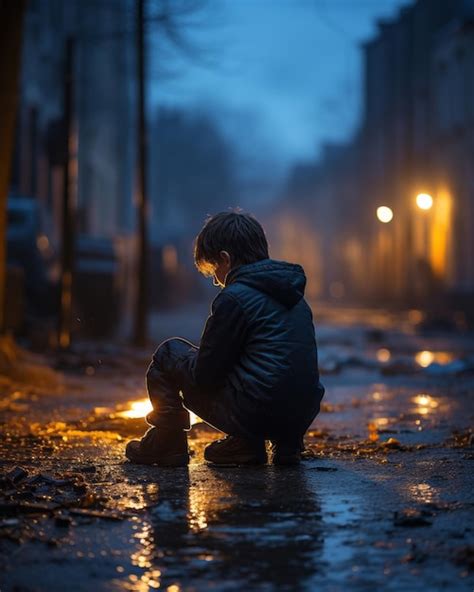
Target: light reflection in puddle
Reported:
[(425, 404), (380, 393), (202, 507), (338, 514), (423, 492), (376, 424), (202, 521), (425, 358)]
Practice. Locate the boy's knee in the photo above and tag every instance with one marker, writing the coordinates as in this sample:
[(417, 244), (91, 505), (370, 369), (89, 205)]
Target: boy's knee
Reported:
[(170, 348), (168, 354)]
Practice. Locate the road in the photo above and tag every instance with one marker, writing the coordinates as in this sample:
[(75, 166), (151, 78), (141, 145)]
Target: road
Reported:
[(382, 501)]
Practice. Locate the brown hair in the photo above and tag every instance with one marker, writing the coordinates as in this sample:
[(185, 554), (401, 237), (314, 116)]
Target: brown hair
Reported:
[(238, 233)]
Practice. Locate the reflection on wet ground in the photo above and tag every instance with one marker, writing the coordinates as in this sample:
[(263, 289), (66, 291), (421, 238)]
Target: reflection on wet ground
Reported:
[(382, 501), (244, 531)]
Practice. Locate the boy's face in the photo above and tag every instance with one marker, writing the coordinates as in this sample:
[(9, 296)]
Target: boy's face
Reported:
[(221, 269)]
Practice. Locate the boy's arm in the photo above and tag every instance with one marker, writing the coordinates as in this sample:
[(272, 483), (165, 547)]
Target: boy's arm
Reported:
[(221, 341)]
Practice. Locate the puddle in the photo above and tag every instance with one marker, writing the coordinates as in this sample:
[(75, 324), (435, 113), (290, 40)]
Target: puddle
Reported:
[(339, 515), (205, 519)]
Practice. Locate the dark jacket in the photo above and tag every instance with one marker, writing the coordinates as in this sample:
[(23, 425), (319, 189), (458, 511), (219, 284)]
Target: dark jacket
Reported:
[(259, 344)]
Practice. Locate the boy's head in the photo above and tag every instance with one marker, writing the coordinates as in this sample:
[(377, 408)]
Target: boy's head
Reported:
[(227, 240)]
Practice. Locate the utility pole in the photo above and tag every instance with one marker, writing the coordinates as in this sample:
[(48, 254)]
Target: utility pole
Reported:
[(67, 225), (141, 310)]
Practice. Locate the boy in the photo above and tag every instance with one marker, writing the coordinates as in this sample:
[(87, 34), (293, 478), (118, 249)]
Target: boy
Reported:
[(255, 375)]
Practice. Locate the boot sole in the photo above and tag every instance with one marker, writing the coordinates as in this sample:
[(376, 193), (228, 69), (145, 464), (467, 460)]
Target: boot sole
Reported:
[(175, 460)]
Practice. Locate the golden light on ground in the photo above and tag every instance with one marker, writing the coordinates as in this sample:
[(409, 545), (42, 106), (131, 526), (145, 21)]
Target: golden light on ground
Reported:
[(373, 433), (423, 492), (384, 214), (137, 409), (424, 201), (142, 407), (424, 358), (425, 403), (383, 355)]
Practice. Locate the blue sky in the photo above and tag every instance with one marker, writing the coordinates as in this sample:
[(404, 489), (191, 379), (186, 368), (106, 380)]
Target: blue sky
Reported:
[(281, 76)]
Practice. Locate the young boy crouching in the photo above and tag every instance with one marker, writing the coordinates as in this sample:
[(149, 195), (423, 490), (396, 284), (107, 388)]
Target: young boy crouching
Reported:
[(255, 374)]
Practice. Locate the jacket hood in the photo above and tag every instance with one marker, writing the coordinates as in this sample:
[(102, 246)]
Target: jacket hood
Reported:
[(285, 282)]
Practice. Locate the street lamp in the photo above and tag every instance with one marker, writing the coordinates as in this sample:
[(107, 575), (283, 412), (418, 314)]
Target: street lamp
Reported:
[(384, 214), (424, 201)]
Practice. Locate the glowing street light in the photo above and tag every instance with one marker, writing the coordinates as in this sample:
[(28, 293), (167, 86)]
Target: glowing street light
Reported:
[(384, 214), (424, 201)]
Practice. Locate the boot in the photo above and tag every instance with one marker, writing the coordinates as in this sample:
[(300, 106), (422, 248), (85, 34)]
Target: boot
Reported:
[(288, 451), (165, 447), (234, 450)]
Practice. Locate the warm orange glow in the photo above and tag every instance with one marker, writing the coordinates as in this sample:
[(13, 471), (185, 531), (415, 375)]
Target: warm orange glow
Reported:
[(383, 355), (137, 409), (142, 407), (424, 201), (415, 316), (373, 433), (424, 358), (425, 401), (384, 214), (42, 242), (440, 235), (425, 404)]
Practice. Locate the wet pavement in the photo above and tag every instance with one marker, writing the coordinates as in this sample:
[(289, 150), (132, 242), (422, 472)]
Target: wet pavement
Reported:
[(383, 499)]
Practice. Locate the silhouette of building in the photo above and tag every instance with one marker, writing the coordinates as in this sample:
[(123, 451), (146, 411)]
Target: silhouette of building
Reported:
[(103, 115), (415, 136), (103, 147)]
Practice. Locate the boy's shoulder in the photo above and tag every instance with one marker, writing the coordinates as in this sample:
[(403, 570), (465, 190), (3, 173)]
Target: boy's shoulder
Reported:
[(234, 291)]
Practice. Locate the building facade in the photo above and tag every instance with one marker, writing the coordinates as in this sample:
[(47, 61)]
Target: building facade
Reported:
[(415, 136)]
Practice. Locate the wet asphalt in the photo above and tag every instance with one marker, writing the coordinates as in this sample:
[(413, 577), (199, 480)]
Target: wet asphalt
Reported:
[(382, 501)]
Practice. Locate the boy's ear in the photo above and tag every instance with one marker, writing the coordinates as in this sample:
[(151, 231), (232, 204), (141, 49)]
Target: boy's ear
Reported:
[(225, 257)]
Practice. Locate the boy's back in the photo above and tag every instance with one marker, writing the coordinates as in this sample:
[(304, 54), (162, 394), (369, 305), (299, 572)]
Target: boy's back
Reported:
[(260, 343)]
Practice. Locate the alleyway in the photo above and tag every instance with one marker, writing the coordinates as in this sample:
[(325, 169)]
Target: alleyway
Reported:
[(383, 500)]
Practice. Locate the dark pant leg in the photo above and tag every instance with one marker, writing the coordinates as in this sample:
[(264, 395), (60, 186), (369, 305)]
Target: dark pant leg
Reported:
[(164, 378), (173, 392)]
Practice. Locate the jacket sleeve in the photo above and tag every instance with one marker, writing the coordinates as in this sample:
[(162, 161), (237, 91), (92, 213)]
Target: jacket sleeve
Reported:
[(221, 341)]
